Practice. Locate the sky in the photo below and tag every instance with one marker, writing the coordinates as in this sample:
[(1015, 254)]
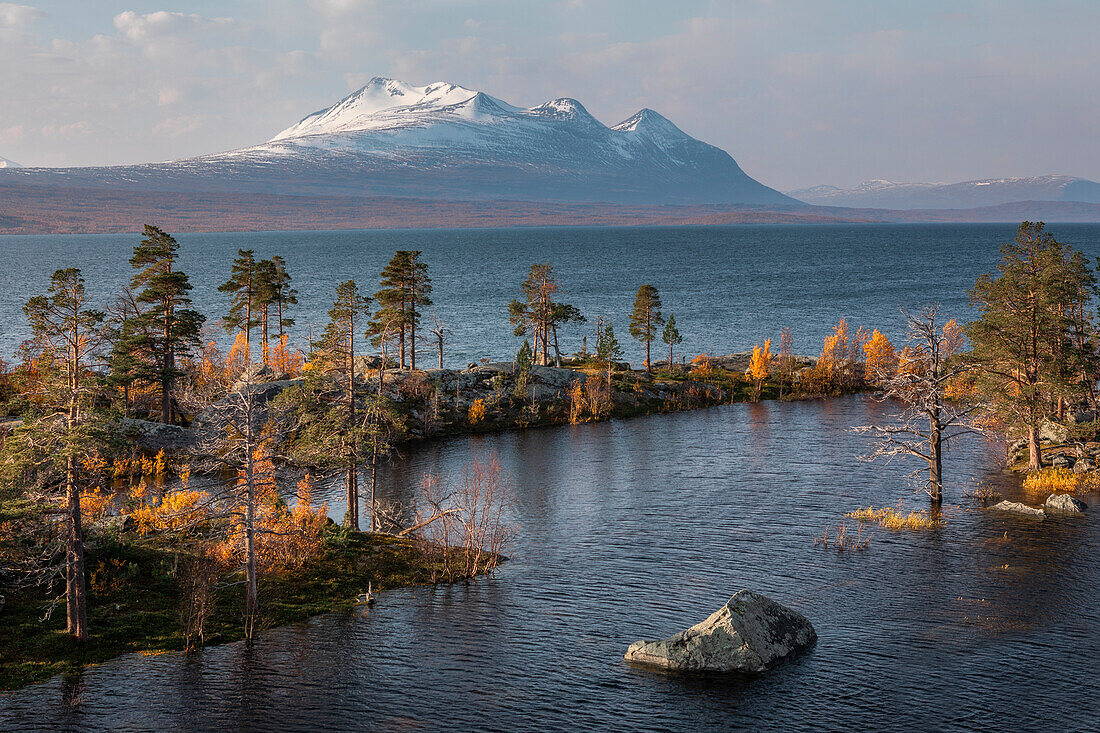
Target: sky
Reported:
[(800, 92)]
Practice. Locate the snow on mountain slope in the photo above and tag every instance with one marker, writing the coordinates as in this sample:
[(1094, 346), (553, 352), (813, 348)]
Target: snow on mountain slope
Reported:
[(969, 194), (5, 163), (442, 140)]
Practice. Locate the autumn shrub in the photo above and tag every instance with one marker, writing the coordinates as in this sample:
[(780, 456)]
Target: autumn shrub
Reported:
[(701, 366), (894, 519), (284, 359), (1061, 481), (416, 386), (476, 412)]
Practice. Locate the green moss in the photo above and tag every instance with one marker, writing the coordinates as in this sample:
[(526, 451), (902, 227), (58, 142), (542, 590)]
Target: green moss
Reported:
[(134, 602)]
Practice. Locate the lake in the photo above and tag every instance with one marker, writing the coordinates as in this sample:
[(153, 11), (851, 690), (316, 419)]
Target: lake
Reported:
[(639, 528), (730, 287)]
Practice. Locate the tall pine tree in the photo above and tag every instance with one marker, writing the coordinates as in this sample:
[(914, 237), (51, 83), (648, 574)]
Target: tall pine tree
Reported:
[(159, 326), (646, 317)]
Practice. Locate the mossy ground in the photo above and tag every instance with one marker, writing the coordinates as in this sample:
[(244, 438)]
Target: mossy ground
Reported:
[(134, 602)]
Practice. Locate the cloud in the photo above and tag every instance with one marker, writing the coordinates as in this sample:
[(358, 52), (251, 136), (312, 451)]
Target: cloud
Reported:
[(18, 16), (142, 28)]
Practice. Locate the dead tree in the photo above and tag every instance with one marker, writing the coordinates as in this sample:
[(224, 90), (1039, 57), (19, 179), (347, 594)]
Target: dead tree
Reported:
[(929, 420)]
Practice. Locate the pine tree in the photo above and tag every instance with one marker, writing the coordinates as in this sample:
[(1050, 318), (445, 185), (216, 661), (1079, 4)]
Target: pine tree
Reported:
[(284, 296), (157, 327), (243, 287), (1022, 345), (349, 310), (538, 316), (671, 336), (608, 349), (404, 290), (646, 317), (51, 446)]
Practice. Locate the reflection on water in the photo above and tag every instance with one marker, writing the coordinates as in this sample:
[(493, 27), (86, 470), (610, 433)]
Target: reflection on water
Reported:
[(635, 529)]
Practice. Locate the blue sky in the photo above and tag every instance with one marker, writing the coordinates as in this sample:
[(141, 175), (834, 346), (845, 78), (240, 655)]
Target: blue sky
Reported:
[(800, 92)]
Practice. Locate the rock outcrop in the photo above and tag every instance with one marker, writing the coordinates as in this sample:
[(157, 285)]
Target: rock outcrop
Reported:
[(751, 633), (1015, 507), (1064, 504)]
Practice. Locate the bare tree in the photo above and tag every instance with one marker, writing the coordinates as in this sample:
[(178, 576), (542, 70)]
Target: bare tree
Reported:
[(441, 332), (929, 420)]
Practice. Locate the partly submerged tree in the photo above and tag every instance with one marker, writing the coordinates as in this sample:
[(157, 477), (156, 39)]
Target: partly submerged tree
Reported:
[(154, 325), (646, 318), (928, 420), (1023, 347)]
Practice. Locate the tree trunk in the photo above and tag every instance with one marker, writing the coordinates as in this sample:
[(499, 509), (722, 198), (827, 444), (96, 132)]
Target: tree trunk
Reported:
[(353, 495), (440, 344), (557, 351), (76, 598), (647, 342), (169, 366), (373, 483), (264, 333), (1035, 455), (412, 339), (251, 584), (935, 462)]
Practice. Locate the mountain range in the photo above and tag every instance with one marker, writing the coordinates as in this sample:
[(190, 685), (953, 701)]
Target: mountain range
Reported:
[(968, 194), (392, 154), (444, 141)]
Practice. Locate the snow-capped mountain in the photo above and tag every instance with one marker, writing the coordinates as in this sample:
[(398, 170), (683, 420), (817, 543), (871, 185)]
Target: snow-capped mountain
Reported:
[(443, 141), (986, 192), (5, 163)]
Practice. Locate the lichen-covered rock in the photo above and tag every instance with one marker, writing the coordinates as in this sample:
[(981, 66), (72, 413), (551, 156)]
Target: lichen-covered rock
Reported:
[(1064, 504), (1016, 507), (1083, 465), (751, 633)]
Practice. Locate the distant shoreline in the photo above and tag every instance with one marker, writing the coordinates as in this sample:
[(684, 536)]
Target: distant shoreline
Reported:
[(49, 209)]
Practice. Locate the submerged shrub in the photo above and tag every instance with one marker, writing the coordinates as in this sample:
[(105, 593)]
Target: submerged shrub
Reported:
[(893, 519)]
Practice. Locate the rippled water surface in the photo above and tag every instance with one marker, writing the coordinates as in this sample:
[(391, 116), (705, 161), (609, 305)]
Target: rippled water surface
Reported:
[(730, 287), (636, 529)]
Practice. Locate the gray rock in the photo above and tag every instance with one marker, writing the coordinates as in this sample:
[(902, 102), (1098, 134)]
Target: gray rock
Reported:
[(1064, 504), (1016, 507), (554, 377), (1083, 465), (1053, 432), (1061, 461), (1084, 416), (751, 633)]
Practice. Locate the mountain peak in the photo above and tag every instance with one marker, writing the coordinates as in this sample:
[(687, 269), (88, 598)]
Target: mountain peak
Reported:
[(648, 122), (563, 108), (5, 163)]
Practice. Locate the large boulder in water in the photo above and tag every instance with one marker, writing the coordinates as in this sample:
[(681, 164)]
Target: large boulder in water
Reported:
[(1016, 507), (1064, 504), (751, 633)]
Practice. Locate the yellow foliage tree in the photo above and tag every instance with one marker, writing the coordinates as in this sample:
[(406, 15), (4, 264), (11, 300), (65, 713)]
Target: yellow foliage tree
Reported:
[(879, 359), (760, 367)]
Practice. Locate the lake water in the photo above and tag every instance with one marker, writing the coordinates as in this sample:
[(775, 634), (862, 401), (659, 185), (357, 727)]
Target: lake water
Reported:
[(730, 287), (637, 529)]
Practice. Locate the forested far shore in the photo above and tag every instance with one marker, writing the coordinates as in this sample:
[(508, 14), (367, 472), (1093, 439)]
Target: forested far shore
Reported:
[(136, 451)]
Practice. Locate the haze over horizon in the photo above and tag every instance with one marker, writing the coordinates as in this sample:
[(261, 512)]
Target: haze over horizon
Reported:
[(800, 93)]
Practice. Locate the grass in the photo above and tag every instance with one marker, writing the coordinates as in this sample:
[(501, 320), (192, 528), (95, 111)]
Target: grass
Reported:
[(893, 519), (1061, 481), (134, 602)]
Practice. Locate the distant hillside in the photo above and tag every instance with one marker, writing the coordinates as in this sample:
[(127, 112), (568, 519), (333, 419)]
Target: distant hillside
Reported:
[(969, 194)]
